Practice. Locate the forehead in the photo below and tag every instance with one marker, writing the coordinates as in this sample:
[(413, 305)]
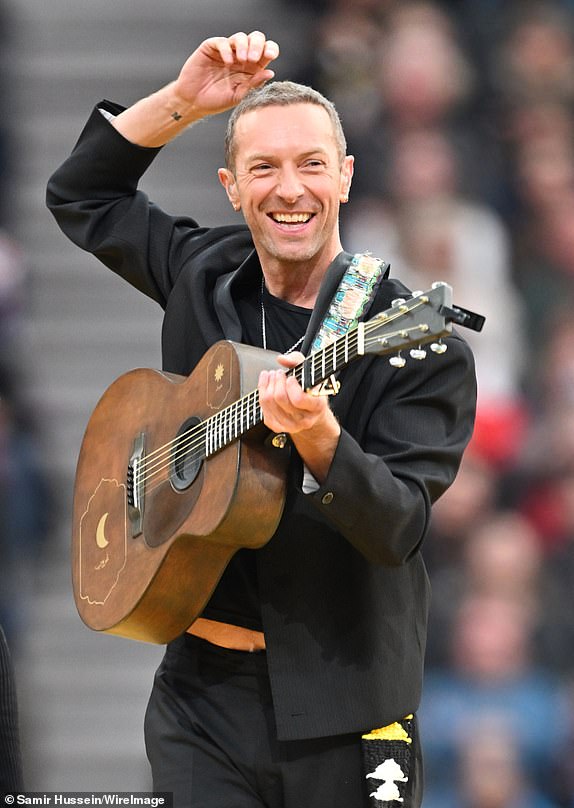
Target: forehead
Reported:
[(278, 129)]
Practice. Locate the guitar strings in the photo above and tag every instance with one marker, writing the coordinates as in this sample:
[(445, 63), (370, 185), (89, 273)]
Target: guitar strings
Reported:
[(194, 438), (185, 440), (187, 446)]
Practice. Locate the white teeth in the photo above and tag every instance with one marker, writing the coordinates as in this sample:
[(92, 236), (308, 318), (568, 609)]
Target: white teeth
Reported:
[(291, 218)]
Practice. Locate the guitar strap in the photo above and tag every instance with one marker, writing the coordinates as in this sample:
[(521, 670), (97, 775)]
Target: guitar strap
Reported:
[(354, 294), (352, 298)]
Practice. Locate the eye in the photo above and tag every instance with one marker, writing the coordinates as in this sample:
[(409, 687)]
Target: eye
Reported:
[(262, 168), (314, 164)]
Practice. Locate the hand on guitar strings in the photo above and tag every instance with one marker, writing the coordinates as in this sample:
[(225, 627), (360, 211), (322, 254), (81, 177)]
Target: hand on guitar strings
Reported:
[(305, 417)]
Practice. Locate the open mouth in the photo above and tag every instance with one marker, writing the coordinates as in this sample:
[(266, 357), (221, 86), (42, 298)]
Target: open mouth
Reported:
[(291, 218)]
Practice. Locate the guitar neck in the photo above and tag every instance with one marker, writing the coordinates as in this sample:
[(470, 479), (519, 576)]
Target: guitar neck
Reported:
[(234, 421), (424, 317)]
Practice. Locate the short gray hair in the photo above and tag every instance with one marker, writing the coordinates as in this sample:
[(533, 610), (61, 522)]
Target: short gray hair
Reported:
[(282, 94)]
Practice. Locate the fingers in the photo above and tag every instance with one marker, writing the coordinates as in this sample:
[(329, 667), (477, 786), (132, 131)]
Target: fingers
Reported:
[(254, 49), (291, 360), (286, 406)]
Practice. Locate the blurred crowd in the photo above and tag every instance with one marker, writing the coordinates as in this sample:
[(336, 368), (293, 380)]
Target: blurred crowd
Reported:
[(25, 496), (461, 119)]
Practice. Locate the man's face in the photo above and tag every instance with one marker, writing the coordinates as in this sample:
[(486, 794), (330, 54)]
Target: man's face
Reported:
[(289, 182)]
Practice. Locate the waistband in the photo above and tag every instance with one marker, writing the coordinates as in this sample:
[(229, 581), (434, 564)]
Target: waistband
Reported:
[(226, 635)]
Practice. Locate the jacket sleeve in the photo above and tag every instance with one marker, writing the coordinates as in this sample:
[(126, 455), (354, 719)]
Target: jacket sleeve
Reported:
[(94, 197), (399, 450)]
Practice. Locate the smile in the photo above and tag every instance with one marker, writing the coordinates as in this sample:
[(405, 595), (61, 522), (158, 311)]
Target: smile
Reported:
[(291, 218)]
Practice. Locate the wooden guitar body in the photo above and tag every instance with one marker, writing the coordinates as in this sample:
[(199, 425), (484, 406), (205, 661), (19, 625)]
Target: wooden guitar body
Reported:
[(147, 554)]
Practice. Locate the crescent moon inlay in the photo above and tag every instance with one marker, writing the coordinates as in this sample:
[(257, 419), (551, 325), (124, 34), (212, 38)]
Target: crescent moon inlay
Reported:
[(101, 540)]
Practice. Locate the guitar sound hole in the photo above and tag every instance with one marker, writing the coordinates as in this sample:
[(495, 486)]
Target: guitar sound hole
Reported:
[(188, 453)]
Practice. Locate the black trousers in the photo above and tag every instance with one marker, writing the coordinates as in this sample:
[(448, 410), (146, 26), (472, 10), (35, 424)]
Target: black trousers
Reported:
[(211, 740)]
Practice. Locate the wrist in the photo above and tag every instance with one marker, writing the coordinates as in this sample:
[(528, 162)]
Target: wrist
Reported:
[(158, 118), (177, 107), (317, 445)]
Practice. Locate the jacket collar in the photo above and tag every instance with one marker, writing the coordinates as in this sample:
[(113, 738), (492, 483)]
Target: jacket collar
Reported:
[(249, 273)]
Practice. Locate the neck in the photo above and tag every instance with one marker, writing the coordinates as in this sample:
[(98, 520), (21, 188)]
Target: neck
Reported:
[(297, 283), (303, 294)]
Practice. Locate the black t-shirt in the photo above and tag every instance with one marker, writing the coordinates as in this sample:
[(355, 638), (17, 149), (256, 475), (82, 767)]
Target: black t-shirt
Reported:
[(236, 597)]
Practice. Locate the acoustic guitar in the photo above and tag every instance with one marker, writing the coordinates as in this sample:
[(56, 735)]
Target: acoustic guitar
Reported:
[(176, 473)]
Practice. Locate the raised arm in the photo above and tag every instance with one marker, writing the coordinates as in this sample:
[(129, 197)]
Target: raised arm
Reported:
[(215, 78)]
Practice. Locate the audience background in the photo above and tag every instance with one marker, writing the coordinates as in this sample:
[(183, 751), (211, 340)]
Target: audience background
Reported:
[(25, 497), (461, 118)]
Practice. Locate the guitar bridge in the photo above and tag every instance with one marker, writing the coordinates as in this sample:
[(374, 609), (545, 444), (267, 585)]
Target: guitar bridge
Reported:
[(135, 486)]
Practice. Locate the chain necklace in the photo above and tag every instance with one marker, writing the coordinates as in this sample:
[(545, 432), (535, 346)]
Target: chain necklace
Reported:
[(264, 317)]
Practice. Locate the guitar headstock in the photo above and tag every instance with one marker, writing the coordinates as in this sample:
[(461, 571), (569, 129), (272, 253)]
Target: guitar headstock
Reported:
[(409, 324)]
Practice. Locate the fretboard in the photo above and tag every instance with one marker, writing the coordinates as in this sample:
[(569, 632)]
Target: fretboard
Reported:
[(234, 421)]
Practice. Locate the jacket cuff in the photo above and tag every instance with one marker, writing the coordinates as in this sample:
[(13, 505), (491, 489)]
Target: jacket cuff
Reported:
[(333, 496), (116, 157)]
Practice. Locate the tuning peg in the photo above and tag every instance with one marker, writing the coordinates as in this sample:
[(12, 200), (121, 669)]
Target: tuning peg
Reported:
[(397, 302), (397, 361), (438, 347), (418, 353)]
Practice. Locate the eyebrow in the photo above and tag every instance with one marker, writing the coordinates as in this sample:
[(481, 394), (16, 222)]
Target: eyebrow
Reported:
[(266, 157)]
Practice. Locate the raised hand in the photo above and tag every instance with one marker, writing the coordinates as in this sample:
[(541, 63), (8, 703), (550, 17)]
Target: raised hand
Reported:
[(215, 77), (223, 69)]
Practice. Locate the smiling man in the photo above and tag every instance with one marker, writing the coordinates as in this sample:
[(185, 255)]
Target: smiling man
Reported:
[(299, 683), (288, 174)]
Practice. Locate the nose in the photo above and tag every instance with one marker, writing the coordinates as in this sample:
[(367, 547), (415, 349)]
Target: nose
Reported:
[(289, 186)]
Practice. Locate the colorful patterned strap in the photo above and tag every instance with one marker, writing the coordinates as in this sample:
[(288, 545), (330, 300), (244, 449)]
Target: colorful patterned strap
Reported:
[(356, 290)]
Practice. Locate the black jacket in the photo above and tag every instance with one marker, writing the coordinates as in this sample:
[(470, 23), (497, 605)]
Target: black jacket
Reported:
[(344, 591)]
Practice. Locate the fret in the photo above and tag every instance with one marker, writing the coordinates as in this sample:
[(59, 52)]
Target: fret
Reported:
[(245, 416), (243, 419), (210, 428), (223, 427), (257, 411), (215, 427), (306, 371), (219, 429)]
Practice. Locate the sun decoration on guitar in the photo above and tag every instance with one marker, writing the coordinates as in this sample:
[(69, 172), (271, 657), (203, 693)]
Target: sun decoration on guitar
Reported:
[(219, 371)]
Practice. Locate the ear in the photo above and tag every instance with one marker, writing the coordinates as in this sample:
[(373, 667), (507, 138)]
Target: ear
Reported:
[(346, 177), (227, 179)]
